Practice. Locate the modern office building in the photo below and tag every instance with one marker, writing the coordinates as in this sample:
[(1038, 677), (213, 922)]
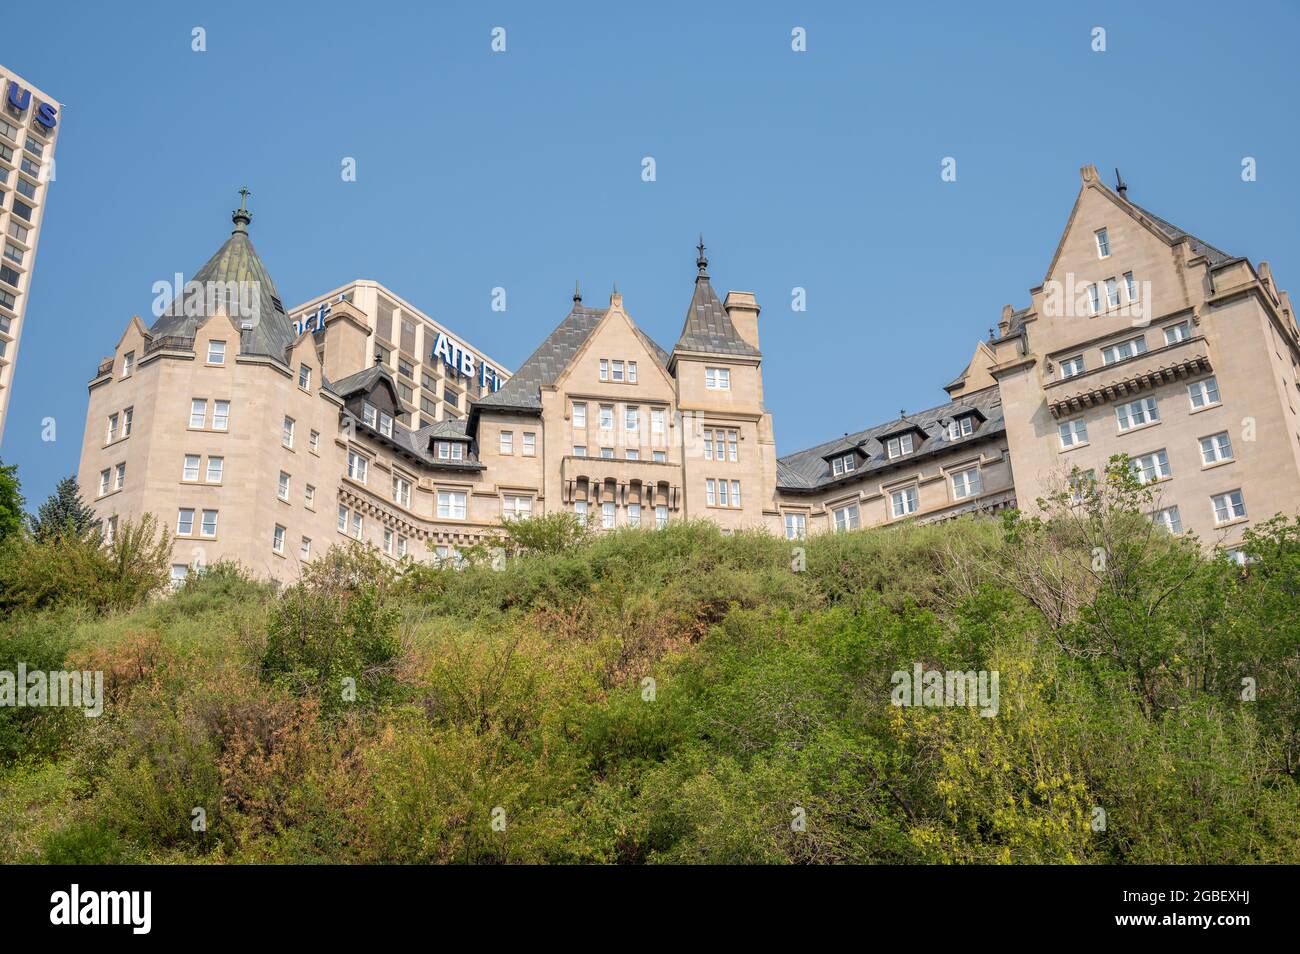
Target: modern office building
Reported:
[(264, 435), (29, 126)]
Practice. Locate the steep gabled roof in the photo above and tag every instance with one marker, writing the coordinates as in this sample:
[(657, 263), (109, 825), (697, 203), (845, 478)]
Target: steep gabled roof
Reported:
[(544, 365), (808, 470), (708, 328), (235, 261), (365, 381), (1199, 246)]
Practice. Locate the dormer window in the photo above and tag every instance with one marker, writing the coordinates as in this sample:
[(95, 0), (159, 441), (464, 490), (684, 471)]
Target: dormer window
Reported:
[(450, 450), (385, 424), (1103, 244), (963, 426), (900, 445), (369, 415), (845, 464)]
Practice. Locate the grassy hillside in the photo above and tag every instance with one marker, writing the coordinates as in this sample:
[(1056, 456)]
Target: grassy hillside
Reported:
[(681, 696)]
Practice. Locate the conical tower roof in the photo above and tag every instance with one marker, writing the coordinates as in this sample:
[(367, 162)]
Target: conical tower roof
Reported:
[(708, 328)]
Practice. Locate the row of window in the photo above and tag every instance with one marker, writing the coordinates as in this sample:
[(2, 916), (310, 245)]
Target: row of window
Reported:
[(112, 478), (1227, 507), (631, 417), (118, 426), (1139, 413), (616, 370), (722, 493), (609, 514), (1124, 350), (1111, 286), (631, 453), (903, 502)]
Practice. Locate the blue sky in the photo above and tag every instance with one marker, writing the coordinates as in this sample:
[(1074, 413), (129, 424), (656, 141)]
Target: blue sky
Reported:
[(522, 169)]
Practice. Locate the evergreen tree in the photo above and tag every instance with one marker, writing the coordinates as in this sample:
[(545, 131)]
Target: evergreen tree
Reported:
[(11, 502), (63, 512)]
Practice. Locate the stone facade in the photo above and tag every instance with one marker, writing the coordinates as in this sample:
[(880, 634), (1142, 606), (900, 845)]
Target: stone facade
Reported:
[(362, 418)]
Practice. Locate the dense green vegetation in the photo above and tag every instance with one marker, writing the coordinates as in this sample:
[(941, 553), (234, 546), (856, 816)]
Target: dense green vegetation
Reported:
[(676, 696)]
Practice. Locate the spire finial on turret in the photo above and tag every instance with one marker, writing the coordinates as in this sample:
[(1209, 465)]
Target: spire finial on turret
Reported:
[(577, 292), (241, 216), (701, 262), (1120, 185)]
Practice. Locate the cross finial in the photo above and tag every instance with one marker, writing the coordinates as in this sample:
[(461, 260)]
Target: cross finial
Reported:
[(241, 216), (243, 198), (701, 262)]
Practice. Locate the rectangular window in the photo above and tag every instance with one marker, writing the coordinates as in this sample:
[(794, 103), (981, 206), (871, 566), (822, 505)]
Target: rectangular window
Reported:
[(451, 504), (1203, 393), (1176, 333), (657, 420), (451, 450), (903, 501), (604, 369), (304, 549), (127, 416), (309, 496), (1151, 467), (634, 515), (216, 468), (369, 415), (580, 508), (105, 476), (343, 519), (661, 516), (277, 539), (608, 516), (617, 371), (402, 491), (964, 426), (1112, 293), (1094, 298), (607, 453), (966, 483), (580, 416), (1073, 433), (358, 524), (128, 364), (633, 454), (313, 441), (388, 541), (1136, 413), (723, 500), (220, 415), (13, 253), (1215, 448), (358, 466), (631, 417), (507, 442), (710, 493), (1124, 350), (23, 210), (178, 575), (735, 493), (184, 522), (530, 444), (660, 457), (401, 546), (846, 518), (191, 469), (119, 477), (796, 526), (1130, 287), (579, 450), (1103, 244), (1229, 506), (385, 424), (1169, 519), (717, 379), (631, 372), (112, 429), (516, 508), (286, 432), (843, 465), (304, 377), (216, 352), (20, 232), (282, 489), (404, 367), (606, 417), (209, 525), (898, 446), (198, 413)]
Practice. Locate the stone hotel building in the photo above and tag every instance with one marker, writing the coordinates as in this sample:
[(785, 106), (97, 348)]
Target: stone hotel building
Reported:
[(265, 435)]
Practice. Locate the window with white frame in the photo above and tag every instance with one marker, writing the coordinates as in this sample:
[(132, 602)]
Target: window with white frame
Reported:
[(1216, 448), (220, 415), (119, 476), (530, 444), (963, 426), (1094, 298), (358, 466), (1169, 518), (401, 546), (1176, 333), (661, 516), (616, 371), (128, 364), (631, 372), (369, 415), (580, 415), (198, 413), (313, 441), (1137, 413), (846, 518), (844, 464), (903, 502), (579, 450), (1203, 393), (113, 424), (633, 454), (277, 539), (1130, 287), (451, 504), (304, 549), (660, 457), (717, 379), (358, 526), (388, 541), (402, 490), (634, 515), (606, 417), (216, 469), (179, 573), (1228, 506), (1123, 350), (450, 450), (580, 508), (1152, 467), (966, 483), (216, 352), (796, 526), (516, 508), (309, 496), (191, 469), (343, 519), (1112, 293), (304, 377), (608, 515), (127, 418), (1103, 243), (1082, 483), (105, 480), (282, 490), (657, 416), (110, 529), (208, 527), (385, 424), (184, 522), (900, 445), (604, 369), (1073, 432), (631, 418), (607, 453), (507, 442)]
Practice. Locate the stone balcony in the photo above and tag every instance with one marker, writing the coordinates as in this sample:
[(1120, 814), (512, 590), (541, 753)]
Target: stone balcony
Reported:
[(623, 475)]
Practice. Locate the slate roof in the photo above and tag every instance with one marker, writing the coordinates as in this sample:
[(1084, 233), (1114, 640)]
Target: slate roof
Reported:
[(1199, 246), (707, 327), (235, 261), (362, 381), (808, 471)]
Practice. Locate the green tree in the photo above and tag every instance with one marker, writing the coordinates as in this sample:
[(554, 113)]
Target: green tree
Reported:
[(11, 502), (63, 512)]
